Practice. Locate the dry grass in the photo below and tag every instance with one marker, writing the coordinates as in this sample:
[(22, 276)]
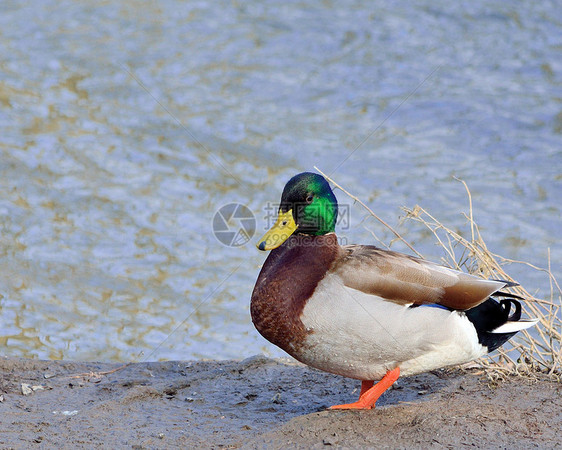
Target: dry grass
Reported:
[(531, 351)]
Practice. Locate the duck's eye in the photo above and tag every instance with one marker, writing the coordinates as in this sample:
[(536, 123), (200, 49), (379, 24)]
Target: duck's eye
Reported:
[(284, 222), (309, 199)]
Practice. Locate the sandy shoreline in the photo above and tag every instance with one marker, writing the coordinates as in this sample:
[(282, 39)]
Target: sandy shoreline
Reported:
[(263, 403)]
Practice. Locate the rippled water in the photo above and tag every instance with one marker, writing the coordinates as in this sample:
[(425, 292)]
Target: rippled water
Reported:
[(124, 127)]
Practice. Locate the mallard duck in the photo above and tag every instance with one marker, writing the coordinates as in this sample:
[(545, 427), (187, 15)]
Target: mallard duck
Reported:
[(367, 313)]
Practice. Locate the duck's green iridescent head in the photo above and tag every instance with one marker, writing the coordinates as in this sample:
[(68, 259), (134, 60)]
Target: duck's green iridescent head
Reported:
[(308, 206)]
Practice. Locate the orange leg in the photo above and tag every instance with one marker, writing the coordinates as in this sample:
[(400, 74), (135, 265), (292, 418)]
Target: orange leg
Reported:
[(369, 393), (365, 386)]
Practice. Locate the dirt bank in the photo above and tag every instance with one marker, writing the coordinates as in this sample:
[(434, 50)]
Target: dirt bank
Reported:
[(263, 403)]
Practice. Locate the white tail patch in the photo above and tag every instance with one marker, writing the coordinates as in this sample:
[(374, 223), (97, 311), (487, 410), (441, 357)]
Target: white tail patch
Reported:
[(513, 327)]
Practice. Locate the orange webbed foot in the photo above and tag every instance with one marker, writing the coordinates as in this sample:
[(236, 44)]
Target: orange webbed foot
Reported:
[(369, 393)]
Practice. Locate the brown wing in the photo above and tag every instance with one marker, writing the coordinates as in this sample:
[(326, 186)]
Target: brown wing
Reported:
[(407, 280)]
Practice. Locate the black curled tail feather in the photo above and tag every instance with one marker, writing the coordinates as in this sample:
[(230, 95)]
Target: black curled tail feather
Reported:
[(491, 314)]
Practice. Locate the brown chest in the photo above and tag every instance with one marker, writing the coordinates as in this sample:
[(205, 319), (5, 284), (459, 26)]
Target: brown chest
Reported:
[(287, 280)]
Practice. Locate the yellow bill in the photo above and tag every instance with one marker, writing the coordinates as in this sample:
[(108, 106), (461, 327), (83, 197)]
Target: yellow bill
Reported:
[(280, 232)]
